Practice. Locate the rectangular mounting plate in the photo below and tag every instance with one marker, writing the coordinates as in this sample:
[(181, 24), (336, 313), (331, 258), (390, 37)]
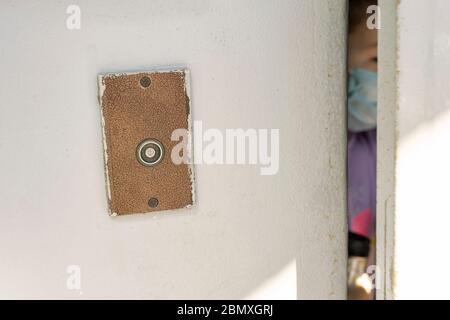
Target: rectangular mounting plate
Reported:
[(140, 110)]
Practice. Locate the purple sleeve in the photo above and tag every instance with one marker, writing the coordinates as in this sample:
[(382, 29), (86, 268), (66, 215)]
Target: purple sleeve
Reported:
[(361, 182)]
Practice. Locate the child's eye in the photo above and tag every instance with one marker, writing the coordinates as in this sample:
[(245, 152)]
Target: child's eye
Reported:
[(375, 59)]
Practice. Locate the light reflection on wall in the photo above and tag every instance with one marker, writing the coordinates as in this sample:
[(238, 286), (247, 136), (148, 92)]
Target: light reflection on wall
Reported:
[(281, 286)]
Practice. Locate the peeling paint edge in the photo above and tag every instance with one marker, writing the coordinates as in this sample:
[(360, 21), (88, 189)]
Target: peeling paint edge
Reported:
[(101, 90), (187, 90), (155, 71)]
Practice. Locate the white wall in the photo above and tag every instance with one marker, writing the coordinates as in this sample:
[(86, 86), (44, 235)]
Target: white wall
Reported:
[(254, 64), (417, 211)]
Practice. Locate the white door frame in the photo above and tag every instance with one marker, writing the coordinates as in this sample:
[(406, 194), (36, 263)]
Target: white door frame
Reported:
[(386, 146)]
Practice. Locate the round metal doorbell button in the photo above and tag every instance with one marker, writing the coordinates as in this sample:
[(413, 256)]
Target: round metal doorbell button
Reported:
[(150, 152)]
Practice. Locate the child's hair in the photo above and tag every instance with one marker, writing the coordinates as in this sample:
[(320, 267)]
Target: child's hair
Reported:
[(357, 12)]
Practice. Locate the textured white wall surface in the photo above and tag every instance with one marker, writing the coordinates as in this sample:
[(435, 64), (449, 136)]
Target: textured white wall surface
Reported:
[(254, 64), (417, 230)]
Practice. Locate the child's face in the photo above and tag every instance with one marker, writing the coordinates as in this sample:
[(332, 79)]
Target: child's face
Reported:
[(363, 48)]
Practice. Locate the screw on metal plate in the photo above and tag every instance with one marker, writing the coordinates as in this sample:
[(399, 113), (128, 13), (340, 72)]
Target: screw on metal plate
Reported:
[(145, 82), (150, 152), (153, 202)]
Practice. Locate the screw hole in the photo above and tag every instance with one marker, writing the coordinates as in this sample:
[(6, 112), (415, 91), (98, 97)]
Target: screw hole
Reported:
[(153, 202), (145, 82)]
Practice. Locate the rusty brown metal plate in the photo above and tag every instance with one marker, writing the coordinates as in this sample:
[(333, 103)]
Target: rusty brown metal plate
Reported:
[(140, 111)]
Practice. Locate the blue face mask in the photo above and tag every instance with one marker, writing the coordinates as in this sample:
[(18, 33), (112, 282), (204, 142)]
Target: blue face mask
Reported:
[(362, 100)]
